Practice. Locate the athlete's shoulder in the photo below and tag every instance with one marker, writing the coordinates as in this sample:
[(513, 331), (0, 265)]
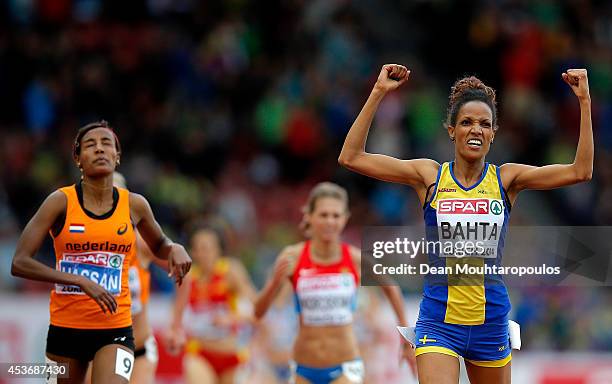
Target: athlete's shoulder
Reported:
[(354, 252), (229, 264), (428, 168), (136, 198), (508, 172), (57, 200), (66, 189), (293, 249), (139, 205), (429, 163), (292, 252), (237, 272), (232, 263)]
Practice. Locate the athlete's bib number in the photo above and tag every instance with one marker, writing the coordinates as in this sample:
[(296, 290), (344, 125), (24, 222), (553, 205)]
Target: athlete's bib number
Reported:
[(470, 227), (103, 268), (326, 299), (353, 371), (124, 363)]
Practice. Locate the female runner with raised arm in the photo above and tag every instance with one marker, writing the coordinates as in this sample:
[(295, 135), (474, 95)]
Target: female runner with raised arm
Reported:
[(469, 320)]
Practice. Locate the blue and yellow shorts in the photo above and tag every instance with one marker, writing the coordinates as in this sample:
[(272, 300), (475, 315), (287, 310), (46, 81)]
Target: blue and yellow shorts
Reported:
[(486, 345)]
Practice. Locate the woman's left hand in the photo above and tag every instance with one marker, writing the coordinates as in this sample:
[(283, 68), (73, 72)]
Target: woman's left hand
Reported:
[(179, 263), (577, 79), (409, 356)]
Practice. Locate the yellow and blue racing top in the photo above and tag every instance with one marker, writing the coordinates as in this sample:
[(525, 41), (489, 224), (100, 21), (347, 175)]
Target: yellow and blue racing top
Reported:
[(469, 224)]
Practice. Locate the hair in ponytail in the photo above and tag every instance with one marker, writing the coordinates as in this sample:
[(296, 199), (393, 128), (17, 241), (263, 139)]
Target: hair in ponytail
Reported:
[(321, 190)]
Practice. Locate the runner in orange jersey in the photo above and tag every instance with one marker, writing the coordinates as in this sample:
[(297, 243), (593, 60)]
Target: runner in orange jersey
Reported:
[(145, 353), (93, 227)]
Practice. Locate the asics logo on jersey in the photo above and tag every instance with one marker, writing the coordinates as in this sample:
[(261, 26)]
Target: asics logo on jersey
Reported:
[(122, 338), (447, 190), (122, 229)]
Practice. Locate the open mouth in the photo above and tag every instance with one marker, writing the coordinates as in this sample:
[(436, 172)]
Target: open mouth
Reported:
[(474, 143)]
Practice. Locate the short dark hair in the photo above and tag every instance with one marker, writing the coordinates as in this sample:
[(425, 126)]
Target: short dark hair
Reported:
[(76, 145), (470, 89)]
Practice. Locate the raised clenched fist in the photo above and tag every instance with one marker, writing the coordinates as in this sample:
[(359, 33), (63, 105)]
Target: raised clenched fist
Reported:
[(391, 76), (577, 79)]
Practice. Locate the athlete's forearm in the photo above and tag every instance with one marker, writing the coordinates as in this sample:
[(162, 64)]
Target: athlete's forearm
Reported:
[(182, 298), (162, 249), (583, 162), (355, 141), (265, 298), (27, 267), (394, 295)]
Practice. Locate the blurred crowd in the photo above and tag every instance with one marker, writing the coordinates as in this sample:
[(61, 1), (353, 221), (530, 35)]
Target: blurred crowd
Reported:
[(232, 110)]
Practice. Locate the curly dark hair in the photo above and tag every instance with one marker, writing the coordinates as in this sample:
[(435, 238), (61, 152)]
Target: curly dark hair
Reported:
[(470, 89)]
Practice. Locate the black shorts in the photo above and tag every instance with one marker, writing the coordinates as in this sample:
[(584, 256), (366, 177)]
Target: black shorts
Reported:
[(82, 344)]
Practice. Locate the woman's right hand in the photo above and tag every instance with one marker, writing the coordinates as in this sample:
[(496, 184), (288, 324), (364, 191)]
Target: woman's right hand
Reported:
[(104, 298), (391, 76), (175, 340), (282, 269)]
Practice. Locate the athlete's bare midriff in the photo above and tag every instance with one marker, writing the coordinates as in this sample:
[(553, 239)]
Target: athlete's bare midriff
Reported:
[(227, 345), (321, 347)]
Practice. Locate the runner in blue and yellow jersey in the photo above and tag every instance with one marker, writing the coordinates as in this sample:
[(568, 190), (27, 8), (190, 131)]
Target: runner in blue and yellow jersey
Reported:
[(466, 315)]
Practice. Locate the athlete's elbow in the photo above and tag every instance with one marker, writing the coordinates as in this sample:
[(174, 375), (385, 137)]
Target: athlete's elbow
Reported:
[(584, 175), (259, 310), (348, 160), (258, 314), (344, 160), (582, 171), (17, 267)]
